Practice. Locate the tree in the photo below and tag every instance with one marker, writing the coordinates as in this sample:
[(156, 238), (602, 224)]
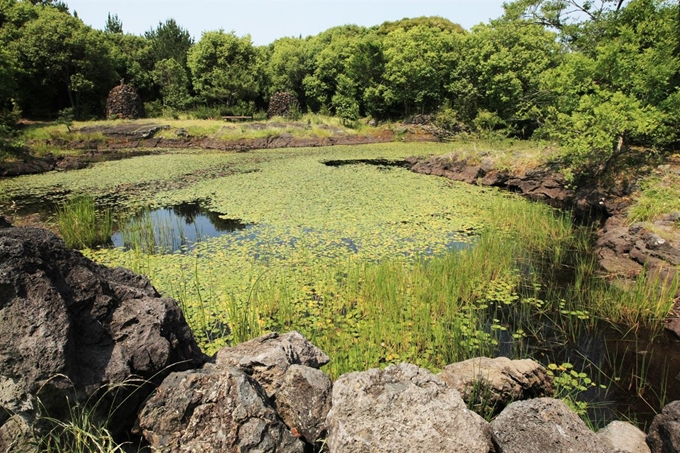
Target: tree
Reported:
[(418, 65), (113, 24), (131, 58), (344, 100), (169, 40), (286, 66), (618, 90), (173, 80), (500, 72), (58, 4), (8, 112), (327, 56), (62, 63), (365, 68), (224, 68), (576, 20), (602, 128)]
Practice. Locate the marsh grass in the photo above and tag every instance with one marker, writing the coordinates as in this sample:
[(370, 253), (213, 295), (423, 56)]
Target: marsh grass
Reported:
[(309, 125), (646, 301), (81, 226), (505, 154), (153, 234), (517, 280)]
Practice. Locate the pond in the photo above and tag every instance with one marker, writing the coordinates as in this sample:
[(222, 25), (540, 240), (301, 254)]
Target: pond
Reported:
[(181, 227), (378, 265)]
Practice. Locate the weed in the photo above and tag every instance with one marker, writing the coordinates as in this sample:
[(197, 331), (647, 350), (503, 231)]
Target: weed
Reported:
[(83, 426)]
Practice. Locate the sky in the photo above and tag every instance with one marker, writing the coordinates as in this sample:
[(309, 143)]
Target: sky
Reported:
[(268, 20)]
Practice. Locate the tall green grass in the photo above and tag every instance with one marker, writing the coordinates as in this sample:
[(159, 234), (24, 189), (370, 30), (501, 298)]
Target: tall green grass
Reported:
[(81, 226)]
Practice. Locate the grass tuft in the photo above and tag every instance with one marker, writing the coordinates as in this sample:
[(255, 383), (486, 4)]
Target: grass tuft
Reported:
[(81, 226)]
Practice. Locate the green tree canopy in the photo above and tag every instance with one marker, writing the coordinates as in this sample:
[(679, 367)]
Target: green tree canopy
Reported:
[(172, 79), (286, 66), (327, 55), (131, 59), (62, 62), (500, 72), (619, 89), (113, 24), (169, 40), (418, 66), (225, 68), (425, 21)]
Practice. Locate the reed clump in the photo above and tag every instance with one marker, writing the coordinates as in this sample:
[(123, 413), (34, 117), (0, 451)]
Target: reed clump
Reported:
[(81, 225)]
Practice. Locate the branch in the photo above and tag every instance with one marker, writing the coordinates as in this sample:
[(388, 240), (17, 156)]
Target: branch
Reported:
[(583, 10)]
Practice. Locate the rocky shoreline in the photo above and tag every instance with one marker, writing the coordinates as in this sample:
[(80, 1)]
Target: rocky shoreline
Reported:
[(623, 251), (73, 331)]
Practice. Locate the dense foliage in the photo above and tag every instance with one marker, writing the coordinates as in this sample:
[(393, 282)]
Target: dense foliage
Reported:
[(599, 77)]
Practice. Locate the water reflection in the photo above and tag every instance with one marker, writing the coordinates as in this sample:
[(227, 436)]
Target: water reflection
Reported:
[(177, 228)]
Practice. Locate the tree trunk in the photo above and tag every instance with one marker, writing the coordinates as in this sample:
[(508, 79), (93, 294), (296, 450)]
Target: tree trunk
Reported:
[(621, 147)]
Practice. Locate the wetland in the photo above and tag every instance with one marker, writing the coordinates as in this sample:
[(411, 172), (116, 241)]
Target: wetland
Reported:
[(375, 265)]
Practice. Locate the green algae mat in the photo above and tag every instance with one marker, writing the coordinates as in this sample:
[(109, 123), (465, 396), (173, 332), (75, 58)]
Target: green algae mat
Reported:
[(373, 263)]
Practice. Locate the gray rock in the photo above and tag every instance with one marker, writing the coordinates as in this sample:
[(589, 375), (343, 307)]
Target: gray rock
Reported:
[(402, 409), (213, 410), (664, 434), (268, 357), (543, 425), (624, 437), (672, 217), (653, 241), (492, 384), (16, 436), (69, 327), (303, 401)]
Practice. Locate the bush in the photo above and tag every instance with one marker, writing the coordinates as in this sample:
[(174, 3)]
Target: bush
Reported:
[(447, 119), (9, 143), (203, 112), (153, 109), (66, 118)]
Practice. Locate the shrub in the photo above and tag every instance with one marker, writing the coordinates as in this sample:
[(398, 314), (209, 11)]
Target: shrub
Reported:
[(153, 109)]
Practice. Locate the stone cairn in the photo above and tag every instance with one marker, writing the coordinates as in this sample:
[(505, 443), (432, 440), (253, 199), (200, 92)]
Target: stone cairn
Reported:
[(124, 103), (420, 120), (283, 104)]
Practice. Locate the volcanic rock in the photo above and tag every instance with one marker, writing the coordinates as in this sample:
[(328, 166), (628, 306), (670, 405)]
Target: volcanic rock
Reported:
[(664, 434), (543, 425), (124, 103), (217, 409), (402, 409), (70, 329), (495, 383), (267, 358)]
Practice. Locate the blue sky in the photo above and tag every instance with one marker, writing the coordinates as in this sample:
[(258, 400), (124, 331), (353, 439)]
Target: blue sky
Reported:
[(267, 20)]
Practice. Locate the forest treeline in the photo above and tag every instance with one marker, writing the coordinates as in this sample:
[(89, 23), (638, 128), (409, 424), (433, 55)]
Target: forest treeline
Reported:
[(598, 76)]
